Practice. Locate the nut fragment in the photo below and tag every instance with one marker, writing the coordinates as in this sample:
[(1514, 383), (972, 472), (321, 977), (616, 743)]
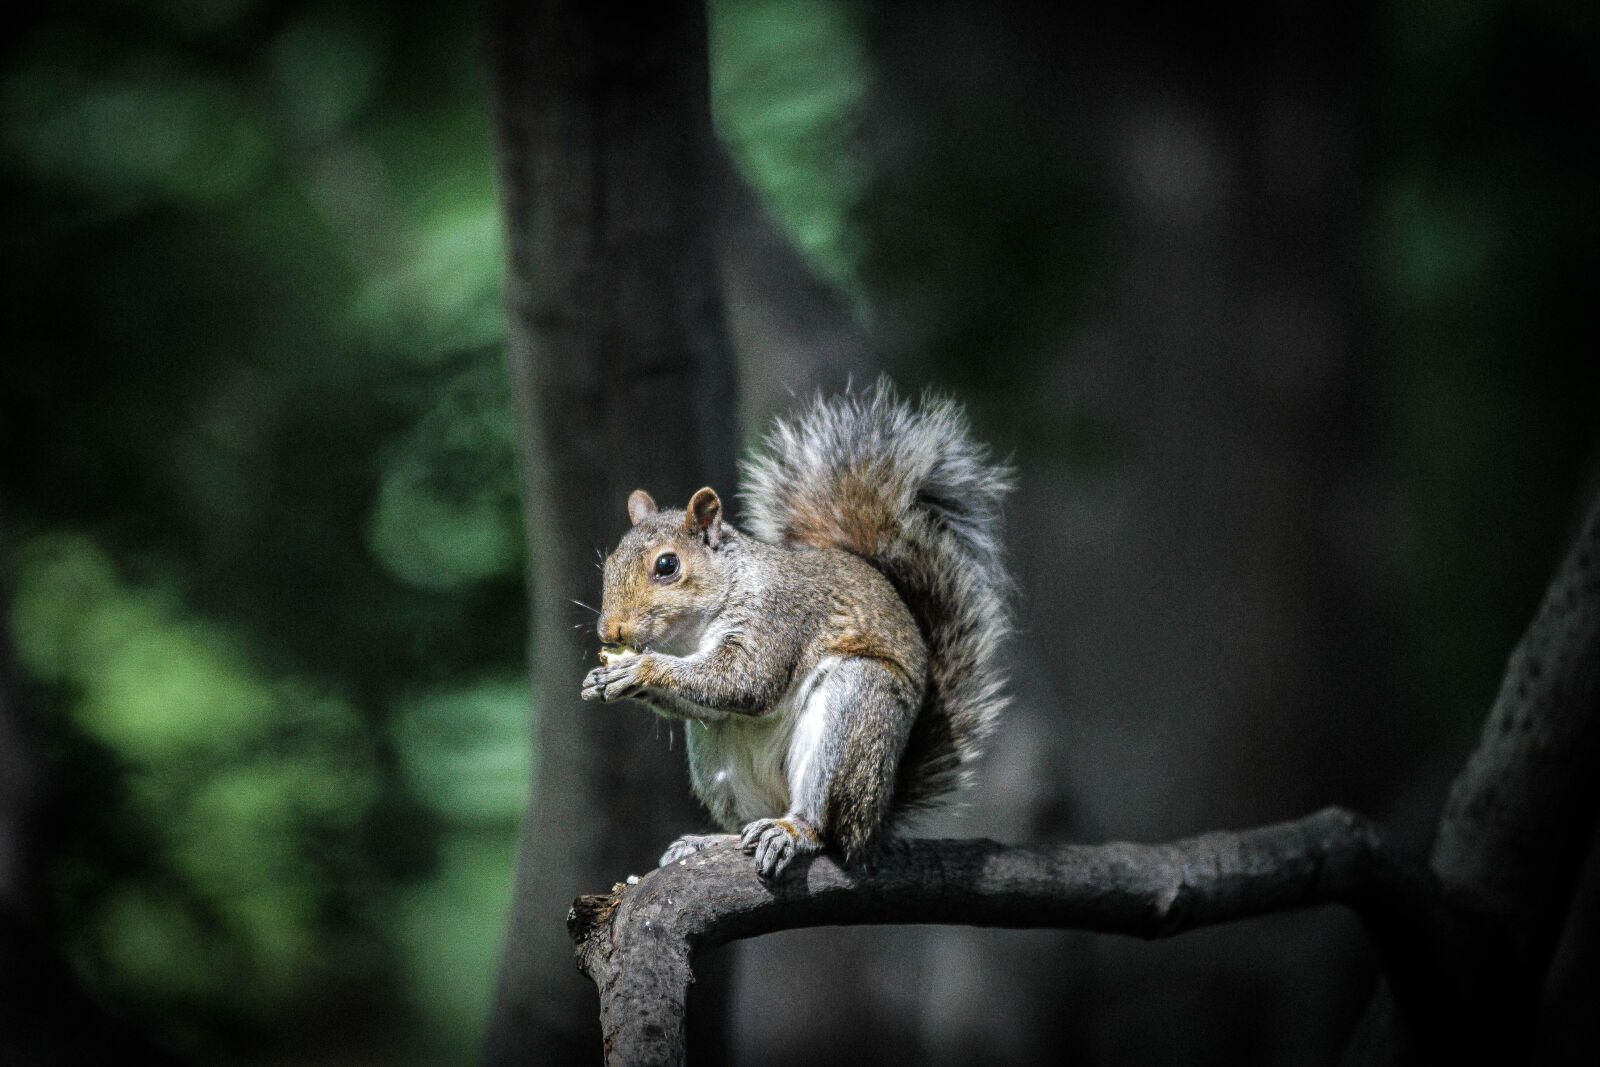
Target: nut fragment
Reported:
[(613, 654)]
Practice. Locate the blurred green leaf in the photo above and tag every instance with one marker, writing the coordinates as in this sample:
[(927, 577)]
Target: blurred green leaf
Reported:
[(444, 293), (788, 81), (133, 134), (327, 66), (62, 580), (451, 927), (447, 513), (465, 751), (243, 776), (152, 682), (151, 946), (436, 543)]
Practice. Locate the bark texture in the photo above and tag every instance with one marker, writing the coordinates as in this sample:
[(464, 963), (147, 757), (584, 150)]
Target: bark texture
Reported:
[(622, 378)]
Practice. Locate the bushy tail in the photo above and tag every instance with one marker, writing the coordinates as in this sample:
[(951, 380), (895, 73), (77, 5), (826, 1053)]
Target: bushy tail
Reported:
[(908, 489)]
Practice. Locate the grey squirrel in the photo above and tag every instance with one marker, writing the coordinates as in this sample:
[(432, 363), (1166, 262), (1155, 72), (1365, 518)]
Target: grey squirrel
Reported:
[(837, 665)]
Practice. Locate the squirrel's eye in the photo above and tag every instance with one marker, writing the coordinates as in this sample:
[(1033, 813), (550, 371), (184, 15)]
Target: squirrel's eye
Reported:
[(666, 565)]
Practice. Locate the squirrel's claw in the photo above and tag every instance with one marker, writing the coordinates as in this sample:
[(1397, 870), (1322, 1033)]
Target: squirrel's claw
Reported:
[(776, 842), (594, 687)]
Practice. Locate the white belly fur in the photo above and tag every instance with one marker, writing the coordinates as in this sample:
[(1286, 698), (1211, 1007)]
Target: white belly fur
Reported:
[(752, 768)]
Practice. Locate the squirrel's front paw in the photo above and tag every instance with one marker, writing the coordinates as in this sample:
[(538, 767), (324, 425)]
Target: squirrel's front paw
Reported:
[(613, 682), (776, 842), (689, 844)]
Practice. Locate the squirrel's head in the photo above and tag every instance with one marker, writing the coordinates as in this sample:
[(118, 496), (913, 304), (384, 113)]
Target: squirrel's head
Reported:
[(663, 582)]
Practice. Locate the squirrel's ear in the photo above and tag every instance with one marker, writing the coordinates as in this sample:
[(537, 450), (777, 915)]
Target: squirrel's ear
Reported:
[(703, 516), (640, 506)]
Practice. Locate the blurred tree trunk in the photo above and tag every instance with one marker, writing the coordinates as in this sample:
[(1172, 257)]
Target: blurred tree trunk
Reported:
[(622, 379), (793, 331)]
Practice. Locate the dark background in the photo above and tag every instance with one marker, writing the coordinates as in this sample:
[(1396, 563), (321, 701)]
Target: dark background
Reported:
[(1285, 313)]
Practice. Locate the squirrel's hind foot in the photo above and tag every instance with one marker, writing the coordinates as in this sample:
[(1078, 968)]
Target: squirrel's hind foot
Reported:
[(775, 843)]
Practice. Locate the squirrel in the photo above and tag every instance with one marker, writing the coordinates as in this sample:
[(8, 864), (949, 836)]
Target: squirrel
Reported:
[(837, 665)]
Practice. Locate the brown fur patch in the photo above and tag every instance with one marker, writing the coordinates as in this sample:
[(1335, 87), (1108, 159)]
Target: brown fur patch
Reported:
[(850, 641), (798, 828), (853, 642), (855, 518)]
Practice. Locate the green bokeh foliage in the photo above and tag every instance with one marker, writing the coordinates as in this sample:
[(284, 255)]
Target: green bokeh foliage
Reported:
[(261, 497), (263, 501)]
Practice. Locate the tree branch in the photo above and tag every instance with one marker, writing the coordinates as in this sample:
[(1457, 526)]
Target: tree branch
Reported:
[(638, 943)]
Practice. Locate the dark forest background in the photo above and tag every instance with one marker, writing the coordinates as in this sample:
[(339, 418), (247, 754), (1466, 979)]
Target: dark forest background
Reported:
[(1285, 312)]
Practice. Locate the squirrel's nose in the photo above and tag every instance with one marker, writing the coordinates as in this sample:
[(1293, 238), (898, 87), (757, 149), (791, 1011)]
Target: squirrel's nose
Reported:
[(610, 630)]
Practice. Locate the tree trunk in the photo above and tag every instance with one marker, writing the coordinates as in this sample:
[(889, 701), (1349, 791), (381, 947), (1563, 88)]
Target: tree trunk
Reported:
[(622, 379), (1511, 844)]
